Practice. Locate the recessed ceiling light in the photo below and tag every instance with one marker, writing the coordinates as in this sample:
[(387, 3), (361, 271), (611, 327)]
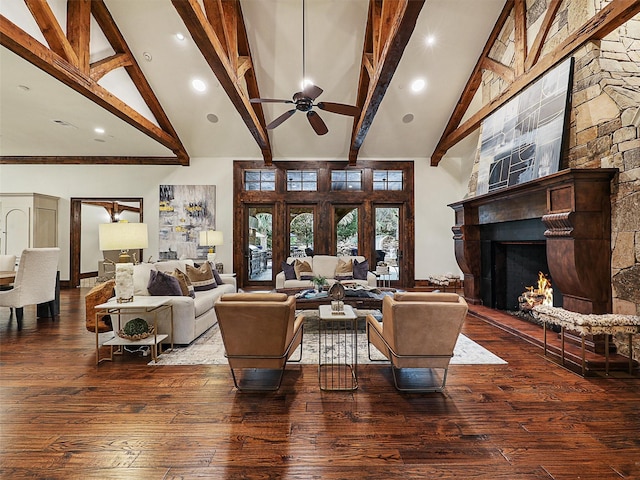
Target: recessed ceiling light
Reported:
[(418, 85), (430, 40), (408, 118), (212, 117), (198, 85), (180, 36), (147, 56), (99, 130)]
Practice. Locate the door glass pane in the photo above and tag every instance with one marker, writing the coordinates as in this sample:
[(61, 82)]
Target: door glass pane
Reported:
[(260, 223), (346, 219), (387, 238), (301, 231)]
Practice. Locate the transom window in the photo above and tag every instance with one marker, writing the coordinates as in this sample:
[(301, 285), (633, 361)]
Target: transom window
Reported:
[(264, 180), (302, 180), (387, 180), (346, 180)]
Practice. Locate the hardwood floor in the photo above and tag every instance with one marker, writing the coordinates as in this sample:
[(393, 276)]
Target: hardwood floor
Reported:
[(64, 418)]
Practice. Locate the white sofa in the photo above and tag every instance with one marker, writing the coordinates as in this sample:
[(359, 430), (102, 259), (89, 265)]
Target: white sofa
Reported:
[(191, 316), (325, 266)]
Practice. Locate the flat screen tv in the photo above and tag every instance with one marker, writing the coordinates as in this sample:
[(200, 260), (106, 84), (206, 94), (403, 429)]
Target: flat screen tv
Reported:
[(523, 139)]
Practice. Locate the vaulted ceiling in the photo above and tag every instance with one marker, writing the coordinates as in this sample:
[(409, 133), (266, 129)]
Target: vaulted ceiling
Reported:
[(66, 72)]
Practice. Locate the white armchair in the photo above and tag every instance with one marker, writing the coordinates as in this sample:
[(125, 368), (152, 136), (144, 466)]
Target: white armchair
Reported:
[(35, 281)]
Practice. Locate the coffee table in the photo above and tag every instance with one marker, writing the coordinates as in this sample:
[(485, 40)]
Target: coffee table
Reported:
[(337, 349), (365, 303)]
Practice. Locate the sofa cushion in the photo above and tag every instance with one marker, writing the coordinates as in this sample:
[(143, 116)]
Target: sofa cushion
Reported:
[(141, 275), (360, 269), (289, 271), (171, 265), (161, 283), (303, 270), (201, 277), (325, 265)]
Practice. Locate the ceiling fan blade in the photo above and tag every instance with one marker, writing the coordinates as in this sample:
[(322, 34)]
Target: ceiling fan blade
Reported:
[(317, 123), (312, 91), (340, 108), (281, 119), (269, 100)]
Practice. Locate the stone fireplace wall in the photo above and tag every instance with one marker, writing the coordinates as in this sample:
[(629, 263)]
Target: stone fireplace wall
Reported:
[(604, 126)]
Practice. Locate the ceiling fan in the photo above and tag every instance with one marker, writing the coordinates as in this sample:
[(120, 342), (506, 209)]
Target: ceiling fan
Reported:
[(304, 99)]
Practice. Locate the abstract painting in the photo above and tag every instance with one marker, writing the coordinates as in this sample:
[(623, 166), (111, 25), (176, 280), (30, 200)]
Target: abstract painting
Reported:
[(185, 210), (523, 139)]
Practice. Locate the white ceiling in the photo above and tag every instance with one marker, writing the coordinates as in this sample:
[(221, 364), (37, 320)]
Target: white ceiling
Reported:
[(334, 38)]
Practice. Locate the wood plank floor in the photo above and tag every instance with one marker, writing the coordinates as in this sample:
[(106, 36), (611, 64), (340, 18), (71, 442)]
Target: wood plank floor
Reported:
[(64, 418)]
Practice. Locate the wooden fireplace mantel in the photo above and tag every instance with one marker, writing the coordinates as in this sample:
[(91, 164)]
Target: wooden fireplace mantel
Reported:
[(575, 207)]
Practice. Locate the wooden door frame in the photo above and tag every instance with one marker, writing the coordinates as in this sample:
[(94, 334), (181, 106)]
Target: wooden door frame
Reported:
[(75, 241)]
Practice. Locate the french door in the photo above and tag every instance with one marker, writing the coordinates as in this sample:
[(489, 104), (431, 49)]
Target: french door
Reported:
[(258, 245), (389, 241)]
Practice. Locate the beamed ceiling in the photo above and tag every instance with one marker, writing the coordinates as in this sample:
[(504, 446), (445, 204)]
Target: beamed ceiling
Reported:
[(69, 68)]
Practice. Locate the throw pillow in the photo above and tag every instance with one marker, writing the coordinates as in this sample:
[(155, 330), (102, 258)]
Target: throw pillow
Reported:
[(344, 270), (289, 271), (161, 283), (201, 277), (303, 270), (360, 269), (185, 283), (216, 275)]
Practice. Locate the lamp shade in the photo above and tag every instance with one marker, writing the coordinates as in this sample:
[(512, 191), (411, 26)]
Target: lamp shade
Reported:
[(210, 238), (123, 236)]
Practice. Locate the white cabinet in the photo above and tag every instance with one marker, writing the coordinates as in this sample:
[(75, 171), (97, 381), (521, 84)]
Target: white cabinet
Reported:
[(28, 220)]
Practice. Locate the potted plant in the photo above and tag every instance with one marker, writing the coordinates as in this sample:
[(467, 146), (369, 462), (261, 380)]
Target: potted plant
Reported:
[(318, 282)]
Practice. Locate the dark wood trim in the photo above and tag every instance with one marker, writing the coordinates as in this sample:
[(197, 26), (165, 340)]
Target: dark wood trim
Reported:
[(75, 230), (324, 200)]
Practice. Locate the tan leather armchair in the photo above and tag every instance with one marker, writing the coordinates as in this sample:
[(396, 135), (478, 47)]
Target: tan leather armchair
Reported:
[(259, 331), (419, 330)]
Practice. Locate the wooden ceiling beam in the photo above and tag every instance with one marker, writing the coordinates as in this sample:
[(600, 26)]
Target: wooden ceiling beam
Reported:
[(51, 30), (100, 68), (472, 85), (520, 36), (601, 24), (119, 44), (21, 43), (214, 51), (79, 31), (541, 36), (89, 160), (391, 23)]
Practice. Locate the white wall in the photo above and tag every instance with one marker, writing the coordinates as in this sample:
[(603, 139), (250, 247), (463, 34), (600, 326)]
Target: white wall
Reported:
[(435, 188)]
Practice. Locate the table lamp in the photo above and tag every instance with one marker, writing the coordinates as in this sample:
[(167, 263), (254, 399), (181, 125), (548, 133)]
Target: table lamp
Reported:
[(123, 236), (211, 238)]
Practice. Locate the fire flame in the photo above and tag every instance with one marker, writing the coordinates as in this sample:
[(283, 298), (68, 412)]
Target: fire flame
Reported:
[(544, 289)]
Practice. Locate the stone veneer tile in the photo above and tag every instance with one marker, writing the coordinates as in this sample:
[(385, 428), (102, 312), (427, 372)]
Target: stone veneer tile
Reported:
[(595, 111), (623, 307), (623, 253)]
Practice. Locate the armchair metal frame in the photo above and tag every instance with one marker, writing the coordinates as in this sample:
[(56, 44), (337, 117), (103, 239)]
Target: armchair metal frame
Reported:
[(267, 387)]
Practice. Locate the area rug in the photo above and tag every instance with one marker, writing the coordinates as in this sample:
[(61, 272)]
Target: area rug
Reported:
[(209, 350)]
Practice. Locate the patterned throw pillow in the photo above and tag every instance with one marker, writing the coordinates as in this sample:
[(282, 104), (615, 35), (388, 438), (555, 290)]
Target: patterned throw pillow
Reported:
[(360, 269), (161, 284), (201, 277), (289, 271), (344, 270), (185, 283), (303, 270)]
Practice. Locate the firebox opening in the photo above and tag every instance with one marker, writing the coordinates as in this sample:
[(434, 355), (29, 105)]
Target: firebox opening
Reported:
[(513, 254)]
